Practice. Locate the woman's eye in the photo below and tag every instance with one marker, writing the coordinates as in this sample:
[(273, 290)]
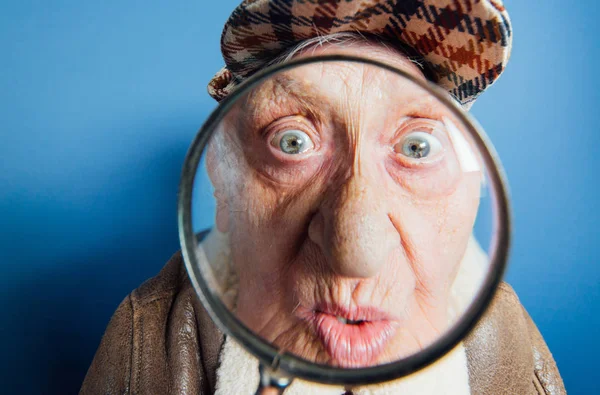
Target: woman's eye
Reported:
[(293, 142), (418, 145)]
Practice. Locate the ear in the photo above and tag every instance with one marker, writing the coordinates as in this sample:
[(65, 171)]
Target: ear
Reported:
[(214, 170)]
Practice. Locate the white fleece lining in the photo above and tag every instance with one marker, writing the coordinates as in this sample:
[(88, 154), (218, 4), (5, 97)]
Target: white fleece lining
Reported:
[(238, 374), (238, 370)]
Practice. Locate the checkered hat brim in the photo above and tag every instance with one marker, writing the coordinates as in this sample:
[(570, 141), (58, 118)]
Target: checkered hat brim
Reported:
[(465, 43)]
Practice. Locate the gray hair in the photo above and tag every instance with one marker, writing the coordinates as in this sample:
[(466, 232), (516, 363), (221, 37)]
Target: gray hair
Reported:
[(340, 39)]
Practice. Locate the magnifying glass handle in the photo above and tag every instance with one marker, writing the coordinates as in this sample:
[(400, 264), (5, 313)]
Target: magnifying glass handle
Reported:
[(271, 382)]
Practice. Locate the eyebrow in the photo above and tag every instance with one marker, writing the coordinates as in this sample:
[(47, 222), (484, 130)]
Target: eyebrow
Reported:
[(289, 85), (282, 91), (299, 98)]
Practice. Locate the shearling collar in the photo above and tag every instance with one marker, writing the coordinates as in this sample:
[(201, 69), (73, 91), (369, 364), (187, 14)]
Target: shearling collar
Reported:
[(238, 374)]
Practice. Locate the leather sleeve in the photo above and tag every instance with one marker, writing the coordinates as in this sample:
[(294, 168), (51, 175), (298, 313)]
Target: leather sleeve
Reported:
[(546, 376), (110, 370), (507, 354), (499, 350)]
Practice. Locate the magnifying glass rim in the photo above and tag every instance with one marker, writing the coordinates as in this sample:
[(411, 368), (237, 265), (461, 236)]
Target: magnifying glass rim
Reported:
[(298, 367)]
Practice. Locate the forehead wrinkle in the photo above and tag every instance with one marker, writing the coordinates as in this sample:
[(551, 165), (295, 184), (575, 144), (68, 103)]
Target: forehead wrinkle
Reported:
[(349, 105), (356, 131), (356, 104)]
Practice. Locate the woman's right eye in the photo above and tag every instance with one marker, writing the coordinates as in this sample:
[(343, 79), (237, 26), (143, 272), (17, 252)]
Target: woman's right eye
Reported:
[(292, 142)]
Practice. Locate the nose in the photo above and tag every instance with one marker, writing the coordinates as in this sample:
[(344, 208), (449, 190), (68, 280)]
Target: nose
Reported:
[(353, 229)]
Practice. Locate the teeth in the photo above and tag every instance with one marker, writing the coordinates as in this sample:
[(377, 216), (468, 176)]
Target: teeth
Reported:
[(342, 320)]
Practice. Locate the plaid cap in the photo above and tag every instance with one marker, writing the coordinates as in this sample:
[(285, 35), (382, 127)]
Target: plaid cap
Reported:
[(465, 43)]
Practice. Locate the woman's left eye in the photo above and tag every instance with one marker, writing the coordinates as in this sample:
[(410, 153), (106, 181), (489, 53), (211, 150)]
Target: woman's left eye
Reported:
[(292, 142), (418, 145)]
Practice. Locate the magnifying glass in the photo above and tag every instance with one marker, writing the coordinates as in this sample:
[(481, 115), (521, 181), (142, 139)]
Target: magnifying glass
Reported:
[(344, 222)]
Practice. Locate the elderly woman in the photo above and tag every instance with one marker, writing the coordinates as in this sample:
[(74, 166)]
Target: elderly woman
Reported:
[(332, 242)]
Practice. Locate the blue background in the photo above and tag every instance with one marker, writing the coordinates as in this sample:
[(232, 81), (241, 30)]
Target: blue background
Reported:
[(100, 100)]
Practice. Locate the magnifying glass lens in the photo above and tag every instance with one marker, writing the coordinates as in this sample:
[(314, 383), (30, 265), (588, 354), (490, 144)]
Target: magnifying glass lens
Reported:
[(343, 214)]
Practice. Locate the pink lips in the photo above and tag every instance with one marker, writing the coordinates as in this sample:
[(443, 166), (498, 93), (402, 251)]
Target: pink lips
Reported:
[(353, 338)]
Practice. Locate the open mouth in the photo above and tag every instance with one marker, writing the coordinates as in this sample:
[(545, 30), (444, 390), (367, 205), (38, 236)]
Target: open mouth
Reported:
[(349, 322), (352, 338)]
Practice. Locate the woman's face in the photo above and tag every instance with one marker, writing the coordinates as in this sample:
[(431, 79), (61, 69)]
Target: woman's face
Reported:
[(347, 209)]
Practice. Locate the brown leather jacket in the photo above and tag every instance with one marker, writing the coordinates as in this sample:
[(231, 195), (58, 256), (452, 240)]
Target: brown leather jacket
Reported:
[(161, 341)]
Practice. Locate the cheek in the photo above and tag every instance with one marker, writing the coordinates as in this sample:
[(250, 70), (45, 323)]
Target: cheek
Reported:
[(457, 227), (461, 211), (438, 231), (269, 224), (396, 284)]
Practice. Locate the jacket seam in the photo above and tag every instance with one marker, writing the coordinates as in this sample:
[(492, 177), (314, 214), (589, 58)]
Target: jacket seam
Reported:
[(539, 379), (145, 301), (201, 350), (538, 384), (138, 318), (146, 295)]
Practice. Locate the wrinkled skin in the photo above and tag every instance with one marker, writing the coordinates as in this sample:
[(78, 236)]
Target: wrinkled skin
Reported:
[(351, 227)]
